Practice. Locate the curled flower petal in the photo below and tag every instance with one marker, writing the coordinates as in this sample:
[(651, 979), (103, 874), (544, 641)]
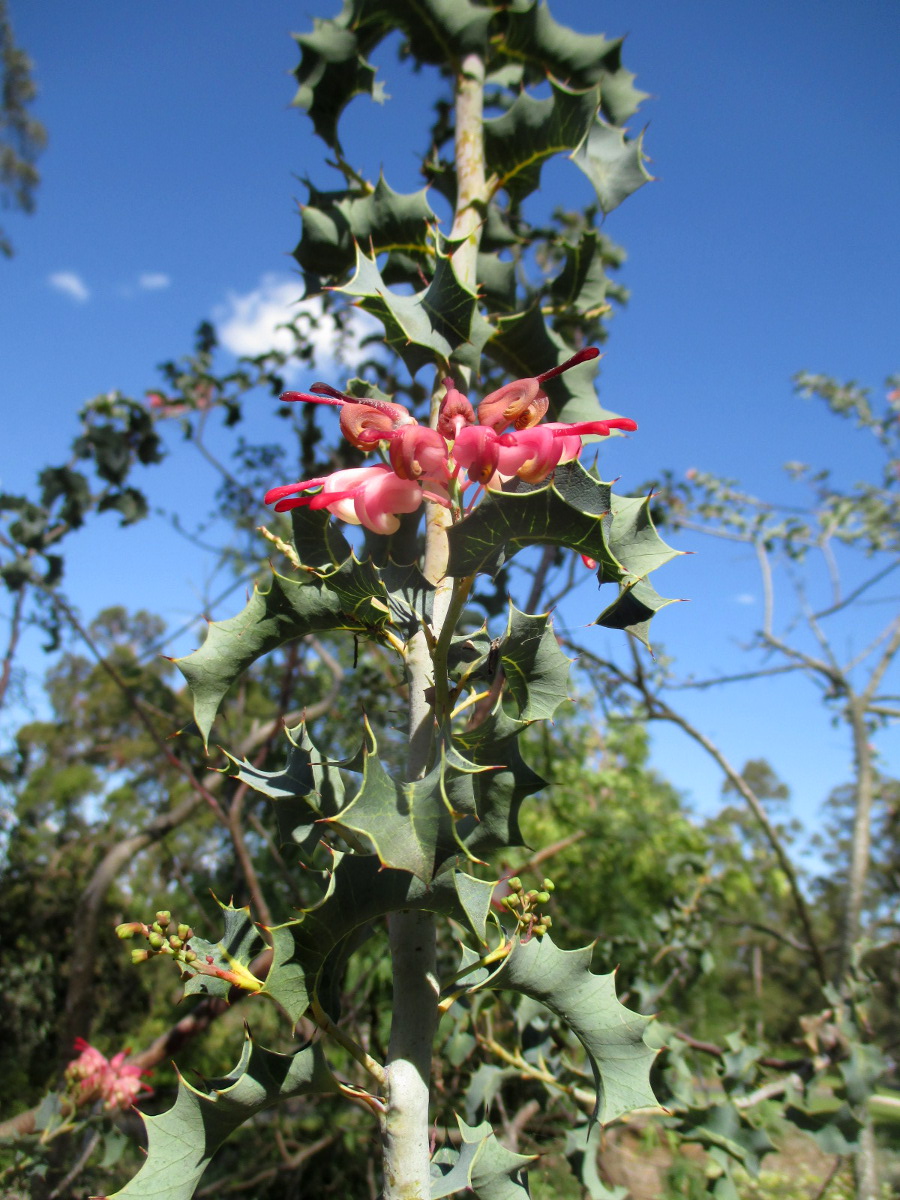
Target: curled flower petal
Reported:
[(477, 449), (360, 416), (369, 496), (523, 403), (418, 452), (530, 453)]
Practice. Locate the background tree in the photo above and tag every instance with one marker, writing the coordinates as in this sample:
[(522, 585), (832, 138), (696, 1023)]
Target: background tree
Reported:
[(22, 137)]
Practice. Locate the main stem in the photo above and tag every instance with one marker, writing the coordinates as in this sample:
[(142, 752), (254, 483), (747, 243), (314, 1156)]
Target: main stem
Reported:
[(406, 1128)]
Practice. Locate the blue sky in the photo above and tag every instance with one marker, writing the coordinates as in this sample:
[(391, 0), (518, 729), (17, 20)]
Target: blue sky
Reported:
[(768, 244)]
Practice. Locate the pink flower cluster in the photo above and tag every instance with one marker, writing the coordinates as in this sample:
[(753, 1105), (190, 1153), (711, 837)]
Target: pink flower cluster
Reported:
[(91, 1076), (440, 464)]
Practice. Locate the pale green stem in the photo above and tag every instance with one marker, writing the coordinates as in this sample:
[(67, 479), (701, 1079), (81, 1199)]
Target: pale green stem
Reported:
[(406, 1129)]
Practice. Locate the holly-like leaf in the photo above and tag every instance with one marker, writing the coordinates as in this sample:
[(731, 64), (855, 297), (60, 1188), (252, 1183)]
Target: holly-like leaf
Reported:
[(581, 60), (482, 1165), (576, 510), (498, 792), (497, 282), (410, 596), (613, 163), (306, 790), (333, 69), (518, 144), (582, 1144), (360, 890), (582, 283), (570, 509), (633, 610), (317, 538), (537, 671), (438, 325), (239, 945), (350, 597), (384, 221), (440, 32), (410, 825), (182, 1141), (612, 1035)]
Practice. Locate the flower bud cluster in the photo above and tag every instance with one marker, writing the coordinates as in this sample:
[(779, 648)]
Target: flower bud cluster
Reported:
[(92, 1076), (163, 936), (524, 906), (440, 464)]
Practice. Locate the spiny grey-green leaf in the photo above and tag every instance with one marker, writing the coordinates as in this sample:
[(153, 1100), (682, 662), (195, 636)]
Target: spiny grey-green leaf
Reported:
[(518, 144), (332, 70), (537, 671), (613, 164), (360, 891), (612, 1035), (240, 943), (350, 597), (410, 825), (499, 792), (582, 283), (308, 788), (182, 1141), (385, 221), (428, 327), (483, 1166), (633, 610), (581, 60)]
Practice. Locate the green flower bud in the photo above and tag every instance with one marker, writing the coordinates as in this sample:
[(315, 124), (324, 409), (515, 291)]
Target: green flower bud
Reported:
[(547, 921), (514, 884), (189, 956), (156, 940), (542, 897), (185, 932), (139, 956), (128, 930), (548, 885), (175, 942), (531, 896), (540, 930), (164, 916)]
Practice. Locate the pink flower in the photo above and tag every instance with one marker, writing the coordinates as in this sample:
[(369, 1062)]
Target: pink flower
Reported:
[(91, 1076), (524, 402), (419, 456), (369, 496), (360, 418)]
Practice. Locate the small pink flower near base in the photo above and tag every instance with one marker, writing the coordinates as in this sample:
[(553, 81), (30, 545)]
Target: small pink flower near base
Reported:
[(92, 1076)]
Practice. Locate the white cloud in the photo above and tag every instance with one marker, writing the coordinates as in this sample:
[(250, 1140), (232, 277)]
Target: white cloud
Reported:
[(249, 323), (70, 284), (153, 281), (745, 598)]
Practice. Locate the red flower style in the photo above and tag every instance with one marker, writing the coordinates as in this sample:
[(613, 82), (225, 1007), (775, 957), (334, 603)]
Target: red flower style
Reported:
[(439, 464)]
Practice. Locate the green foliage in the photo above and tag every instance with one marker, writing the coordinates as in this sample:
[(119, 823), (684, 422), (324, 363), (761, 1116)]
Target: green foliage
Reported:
[(181, 1142), (22, 137), (611, 1034)]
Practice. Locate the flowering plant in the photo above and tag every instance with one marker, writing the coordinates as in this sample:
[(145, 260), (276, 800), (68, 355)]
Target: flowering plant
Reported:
[(411, 845), (441, 464)]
